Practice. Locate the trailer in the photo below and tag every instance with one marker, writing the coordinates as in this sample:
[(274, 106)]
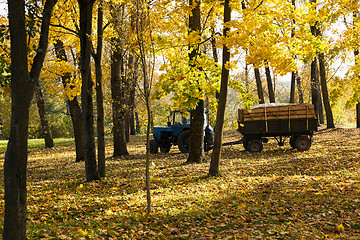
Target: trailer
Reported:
[(296, 122)]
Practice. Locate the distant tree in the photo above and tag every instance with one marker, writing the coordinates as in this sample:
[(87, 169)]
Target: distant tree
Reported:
[(325, 94), (117, 96), (259, 85), (73, 103), (49, 142), (270, 84)]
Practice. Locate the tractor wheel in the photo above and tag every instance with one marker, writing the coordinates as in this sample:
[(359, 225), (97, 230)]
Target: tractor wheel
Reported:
[(165, 149), (208, 142), (302, 143), (153, 147), (255, 145), (183, 141)]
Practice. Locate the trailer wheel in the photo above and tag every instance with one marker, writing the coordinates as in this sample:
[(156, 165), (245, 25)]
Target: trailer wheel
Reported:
[(183, 141), (302, 143), (165, 149), (292, 142), (255, 145), (153, 146)]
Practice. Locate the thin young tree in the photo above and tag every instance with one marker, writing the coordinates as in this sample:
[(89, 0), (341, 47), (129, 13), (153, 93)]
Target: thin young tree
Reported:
[(146, 56), (215, 157)]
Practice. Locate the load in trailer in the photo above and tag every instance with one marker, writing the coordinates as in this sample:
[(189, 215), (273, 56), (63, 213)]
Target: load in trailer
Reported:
[(294, 121)]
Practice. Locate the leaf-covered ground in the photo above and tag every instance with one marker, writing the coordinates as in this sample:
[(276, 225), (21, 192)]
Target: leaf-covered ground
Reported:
[(278, 194)]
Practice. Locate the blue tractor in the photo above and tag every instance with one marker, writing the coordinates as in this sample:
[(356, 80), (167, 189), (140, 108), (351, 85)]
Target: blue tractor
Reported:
[(177, 133)]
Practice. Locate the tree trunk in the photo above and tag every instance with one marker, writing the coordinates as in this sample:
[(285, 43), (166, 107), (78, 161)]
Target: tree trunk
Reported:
[(213, 45), (325, 94), (99, 95), (131, 98), (356, 54), (196, 138), (137, 126), (293, 74), (259, 86), (299, 88), (1, 119), (314, 88), (49, 142), (120, 148), (22, 89), (270, 85), (91, 169), (16, 153), (292, 87), (75, 110), (358, 115), (215, 157)]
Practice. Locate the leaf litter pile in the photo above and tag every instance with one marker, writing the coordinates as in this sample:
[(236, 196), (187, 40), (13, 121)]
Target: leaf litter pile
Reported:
[(279, 193)]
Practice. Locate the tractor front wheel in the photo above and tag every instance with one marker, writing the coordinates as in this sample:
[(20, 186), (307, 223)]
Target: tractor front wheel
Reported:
[(153, 147), (165, 149), (183, 141)]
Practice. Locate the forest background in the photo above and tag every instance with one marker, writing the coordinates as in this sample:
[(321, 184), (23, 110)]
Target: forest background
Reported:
[(272, 38)]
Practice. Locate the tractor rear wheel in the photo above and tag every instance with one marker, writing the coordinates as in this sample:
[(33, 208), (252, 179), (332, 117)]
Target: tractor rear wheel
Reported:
[(183, 141)]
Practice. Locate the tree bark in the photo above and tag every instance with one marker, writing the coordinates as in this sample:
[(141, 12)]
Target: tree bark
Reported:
[(325, 94), (259, 86), (16, 153), (22, 89), (99, 95), (86, 7), (49, 142), (270, 85), (215, 157), (137, 123), (299, 88), (74, 107), (292, 87), (1, 119), (196, 136), (117, 95), (314, 88), (358, 115)]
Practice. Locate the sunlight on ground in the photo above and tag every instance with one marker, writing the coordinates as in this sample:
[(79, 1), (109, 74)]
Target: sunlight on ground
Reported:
[(277, 194)]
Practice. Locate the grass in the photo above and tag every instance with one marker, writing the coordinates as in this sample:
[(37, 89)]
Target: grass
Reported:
[(277, 194), (39, 143)]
